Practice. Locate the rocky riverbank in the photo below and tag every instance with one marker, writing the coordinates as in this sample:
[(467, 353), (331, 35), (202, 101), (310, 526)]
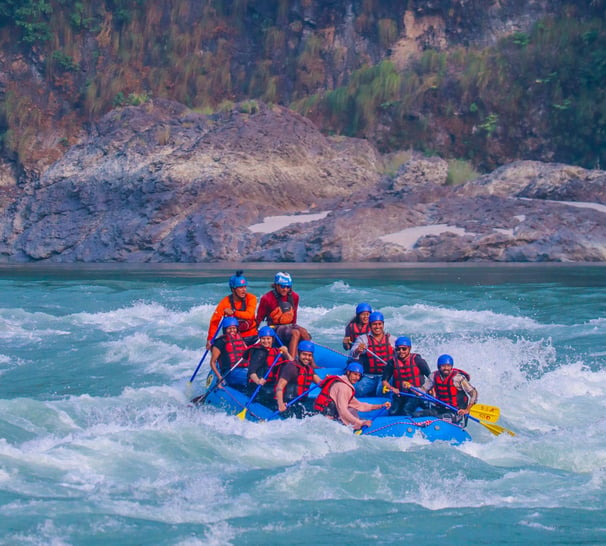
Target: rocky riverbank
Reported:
[(162, 183)]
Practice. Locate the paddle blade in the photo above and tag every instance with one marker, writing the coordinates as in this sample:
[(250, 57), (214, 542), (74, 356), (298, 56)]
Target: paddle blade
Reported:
[(484, 411), (242, 414), (496, 429), (490, 417)]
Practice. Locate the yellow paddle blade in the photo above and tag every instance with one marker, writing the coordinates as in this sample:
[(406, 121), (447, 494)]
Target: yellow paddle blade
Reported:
[(485, 408), (496, 429), (490, 417), (242, 414)]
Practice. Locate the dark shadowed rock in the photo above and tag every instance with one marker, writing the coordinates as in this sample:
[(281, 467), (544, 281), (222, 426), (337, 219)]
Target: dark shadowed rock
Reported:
[(161, 183)]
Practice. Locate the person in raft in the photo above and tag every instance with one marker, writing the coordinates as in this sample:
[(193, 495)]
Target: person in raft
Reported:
[(453, 387), (358, 325), (239, 304), (279, 308), (405, 370), (337, 401), (373, 351), (227, 351), (295, 379), (261, 357)]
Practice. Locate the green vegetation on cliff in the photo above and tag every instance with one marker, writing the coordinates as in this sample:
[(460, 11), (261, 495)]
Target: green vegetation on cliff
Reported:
[(534, 95)]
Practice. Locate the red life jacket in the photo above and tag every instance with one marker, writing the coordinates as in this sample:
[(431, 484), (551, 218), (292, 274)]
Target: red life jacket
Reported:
[(234, 351), (407, 370), (323, 401), (354, 330), (305, 377), (284, 312), (271, 355), (447, 392), (382, 349)]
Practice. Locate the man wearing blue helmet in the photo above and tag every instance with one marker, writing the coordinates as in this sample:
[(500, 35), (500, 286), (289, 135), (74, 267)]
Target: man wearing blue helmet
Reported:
[(405, 370), (373, 350), (279, 308), (453, 387), (239, 304), (295, 379), (337, 398), (358, 325)]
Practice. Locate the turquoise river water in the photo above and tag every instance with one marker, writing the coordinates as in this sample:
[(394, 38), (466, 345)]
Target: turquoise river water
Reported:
[(99, 446)]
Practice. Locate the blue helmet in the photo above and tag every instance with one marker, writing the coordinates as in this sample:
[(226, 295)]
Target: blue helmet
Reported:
[(363, 308), (237, 280), (376, 316), (355, 367), (403, 341), (306, 347), (266, 331), (445, 359), (229, 321), (283, 279)]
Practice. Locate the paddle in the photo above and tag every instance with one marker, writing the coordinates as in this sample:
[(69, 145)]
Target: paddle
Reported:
[(485, 412), (242, 414), (495, 429), (277, 412), (202, 398), (205, 353), (362, 429), (481, 411)]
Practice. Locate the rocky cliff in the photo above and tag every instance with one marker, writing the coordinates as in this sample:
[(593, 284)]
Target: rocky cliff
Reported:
[(162, 183)]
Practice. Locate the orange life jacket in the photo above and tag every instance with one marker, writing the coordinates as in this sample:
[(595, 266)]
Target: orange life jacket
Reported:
[(284, 312)]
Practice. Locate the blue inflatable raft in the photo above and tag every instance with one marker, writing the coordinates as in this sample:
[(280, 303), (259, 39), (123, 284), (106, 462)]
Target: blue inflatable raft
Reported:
[(333, 363)]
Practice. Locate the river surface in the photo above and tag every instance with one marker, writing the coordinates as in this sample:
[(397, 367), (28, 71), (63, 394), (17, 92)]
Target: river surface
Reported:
[(99, 446)]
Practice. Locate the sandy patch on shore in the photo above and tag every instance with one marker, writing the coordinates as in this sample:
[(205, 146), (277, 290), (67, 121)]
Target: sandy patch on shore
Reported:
[(407, 238), (580, 204), (275, 223)]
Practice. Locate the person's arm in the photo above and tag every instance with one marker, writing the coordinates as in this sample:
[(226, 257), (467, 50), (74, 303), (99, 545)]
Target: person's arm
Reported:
[(358, 347), (428, 385), (280, 393), (422, 365), (263, 310), (347, 337), (387, 375), (215, 352), (341, 393), (460, 381), (365, 406), (295, 305), (257, 359), (215, 319)]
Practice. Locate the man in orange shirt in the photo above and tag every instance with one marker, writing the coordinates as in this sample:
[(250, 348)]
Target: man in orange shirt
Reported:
[(239, 304)]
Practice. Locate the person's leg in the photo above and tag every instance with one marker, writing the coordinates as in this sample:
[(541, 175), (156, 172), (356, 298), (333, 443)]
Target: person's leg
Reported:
[(237, 378), (295, 336), (410, 404), (396, 405), (365, 387)]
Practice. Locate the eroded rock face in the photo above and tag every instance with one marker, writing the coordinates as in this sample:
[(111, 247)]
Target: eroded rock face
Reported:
[(160, 183)]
